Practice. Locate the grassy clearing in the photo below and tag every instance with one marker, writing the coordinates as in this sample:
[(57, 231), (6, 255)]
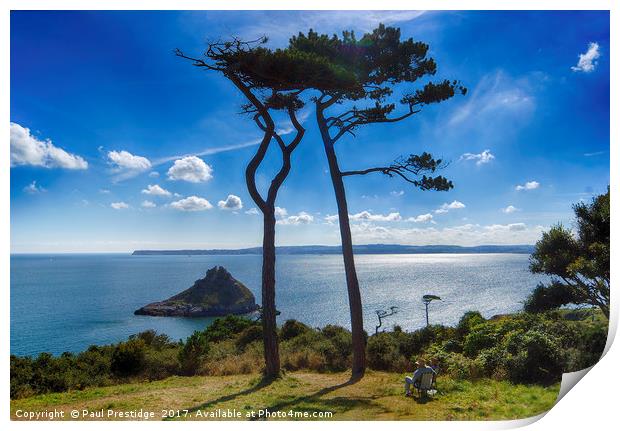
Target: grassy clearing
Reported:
[(379, 396)]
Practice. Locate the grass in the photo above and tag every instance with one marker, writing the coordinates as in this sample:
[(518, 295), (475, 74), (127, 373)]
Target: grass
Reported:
[(378, 396)]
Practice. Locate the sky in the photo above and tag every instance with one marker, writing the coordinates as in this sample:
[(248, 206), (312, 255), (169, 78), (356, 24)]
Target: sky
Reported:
[(117, 145)]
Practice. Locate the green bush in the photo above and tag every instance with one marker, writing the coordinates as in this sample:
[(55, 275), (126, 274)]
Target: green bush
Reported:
[(193, 352), (481, 337), (467, 322), (492, 361), (227, 328), (533, 357), (417, 341), (340, 338), (383, 352), (292, 328), (22, 369), (249, 335), (93, 367), (128, 357), (154, 340), (160, 364)]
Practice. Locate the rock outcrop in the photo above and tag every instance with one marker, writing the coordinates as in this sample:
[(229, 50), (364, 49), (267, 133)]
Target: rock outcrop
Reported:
[(217, 294)]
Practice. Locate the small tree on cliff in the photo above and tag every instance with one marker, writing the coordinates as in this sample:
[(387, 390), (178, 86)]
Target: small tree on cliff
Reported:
[(578, 264), (232, 59)]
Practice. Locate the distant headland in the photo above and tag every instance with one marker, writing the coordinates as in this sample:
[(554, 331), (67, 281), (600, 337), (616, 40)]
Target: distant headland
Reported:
[(358, 249)]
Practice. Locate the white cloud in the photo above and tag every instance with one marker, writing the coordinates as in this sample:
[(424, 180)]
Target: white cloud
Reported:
[(119, 205), (481, 159), (496, 93), (587, 61), (301, 218), (153, 174), (595, 153), (284, 219), (191, 169), (155, 190), (465, 235), (454, 205), (232, 203), (422, 218), (509, 209), (367, 216), (33, 188), (125, 160), (104, 191), (28, 150), (281, 212), (192, 203), (530, 185), (331, 219), (397, 193), (252, 211), (513, 227), (148, 204)]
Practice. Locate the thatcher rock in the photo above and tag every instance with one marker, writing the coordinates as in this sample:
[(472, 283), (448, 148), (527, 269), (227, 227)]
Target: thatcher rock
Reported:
[(217, 294)]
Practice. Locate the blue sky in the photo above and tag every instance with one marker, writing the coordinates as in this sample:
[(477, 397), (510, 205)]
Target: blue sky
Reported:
[(116, 144)]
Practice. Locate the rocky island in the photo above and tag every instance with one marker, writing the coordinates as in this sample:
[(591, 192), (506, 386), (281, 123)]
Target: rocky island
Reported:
[(217, 294)]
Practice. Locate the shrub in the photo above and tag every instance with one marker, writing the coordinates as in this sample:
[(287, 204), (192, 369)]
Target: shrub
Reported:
[(21, 375), (420, 339), (492, 361), (383, 352), (467, 322), (292, 328), (481, 337), (227, 328), (93, 367), (128, 357), (248, 335), (341, 339), (154, 340), (461, 367), (193, 352), (533, 357), (160, 364)]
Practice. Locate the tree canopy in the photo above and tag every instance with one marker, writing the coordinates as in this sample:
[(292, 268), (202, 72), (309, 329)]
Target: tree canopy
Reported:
[(578, 263)]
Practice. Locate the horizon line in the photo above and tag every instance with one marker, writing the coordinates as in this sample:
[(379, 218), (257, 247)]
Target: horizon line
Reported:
[(12, 253)]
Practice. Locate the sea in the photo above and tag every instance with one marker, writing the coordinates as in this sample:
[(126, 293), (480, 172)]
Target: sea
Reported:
[(67, 302)]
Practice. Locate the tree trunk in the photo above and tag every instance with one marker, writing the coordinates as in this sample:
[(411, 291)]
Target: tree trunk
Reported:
[(353, 288), (270, 335)]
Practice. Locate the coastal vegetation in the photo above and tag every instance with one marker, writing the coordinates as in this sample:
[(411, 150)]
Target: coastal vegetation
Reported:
[(522, 348), (577, 262)]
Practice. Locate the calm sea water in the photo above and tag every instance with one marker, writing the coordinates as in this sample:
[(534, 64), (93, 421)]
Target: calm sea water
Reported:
[(68, 302)]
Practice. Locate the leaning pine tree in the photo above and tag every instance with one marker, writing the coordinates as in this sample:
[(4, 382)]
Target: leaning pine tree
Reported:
[(346, 72), (357, 81), (231, 59)]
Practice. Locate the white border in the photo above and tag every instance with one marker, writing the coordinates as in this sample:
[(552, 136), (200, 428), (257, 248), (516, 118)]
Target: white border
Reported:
[(590, 405)]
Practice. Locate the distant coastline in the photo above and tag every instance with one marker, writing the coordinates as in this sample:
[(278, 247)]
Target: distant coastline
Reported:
[(358, 249)]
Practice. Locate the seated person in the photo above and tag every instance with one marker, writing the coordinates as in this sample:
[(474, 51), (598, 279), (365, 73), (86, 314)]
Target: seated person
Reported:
[(417, 376)]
